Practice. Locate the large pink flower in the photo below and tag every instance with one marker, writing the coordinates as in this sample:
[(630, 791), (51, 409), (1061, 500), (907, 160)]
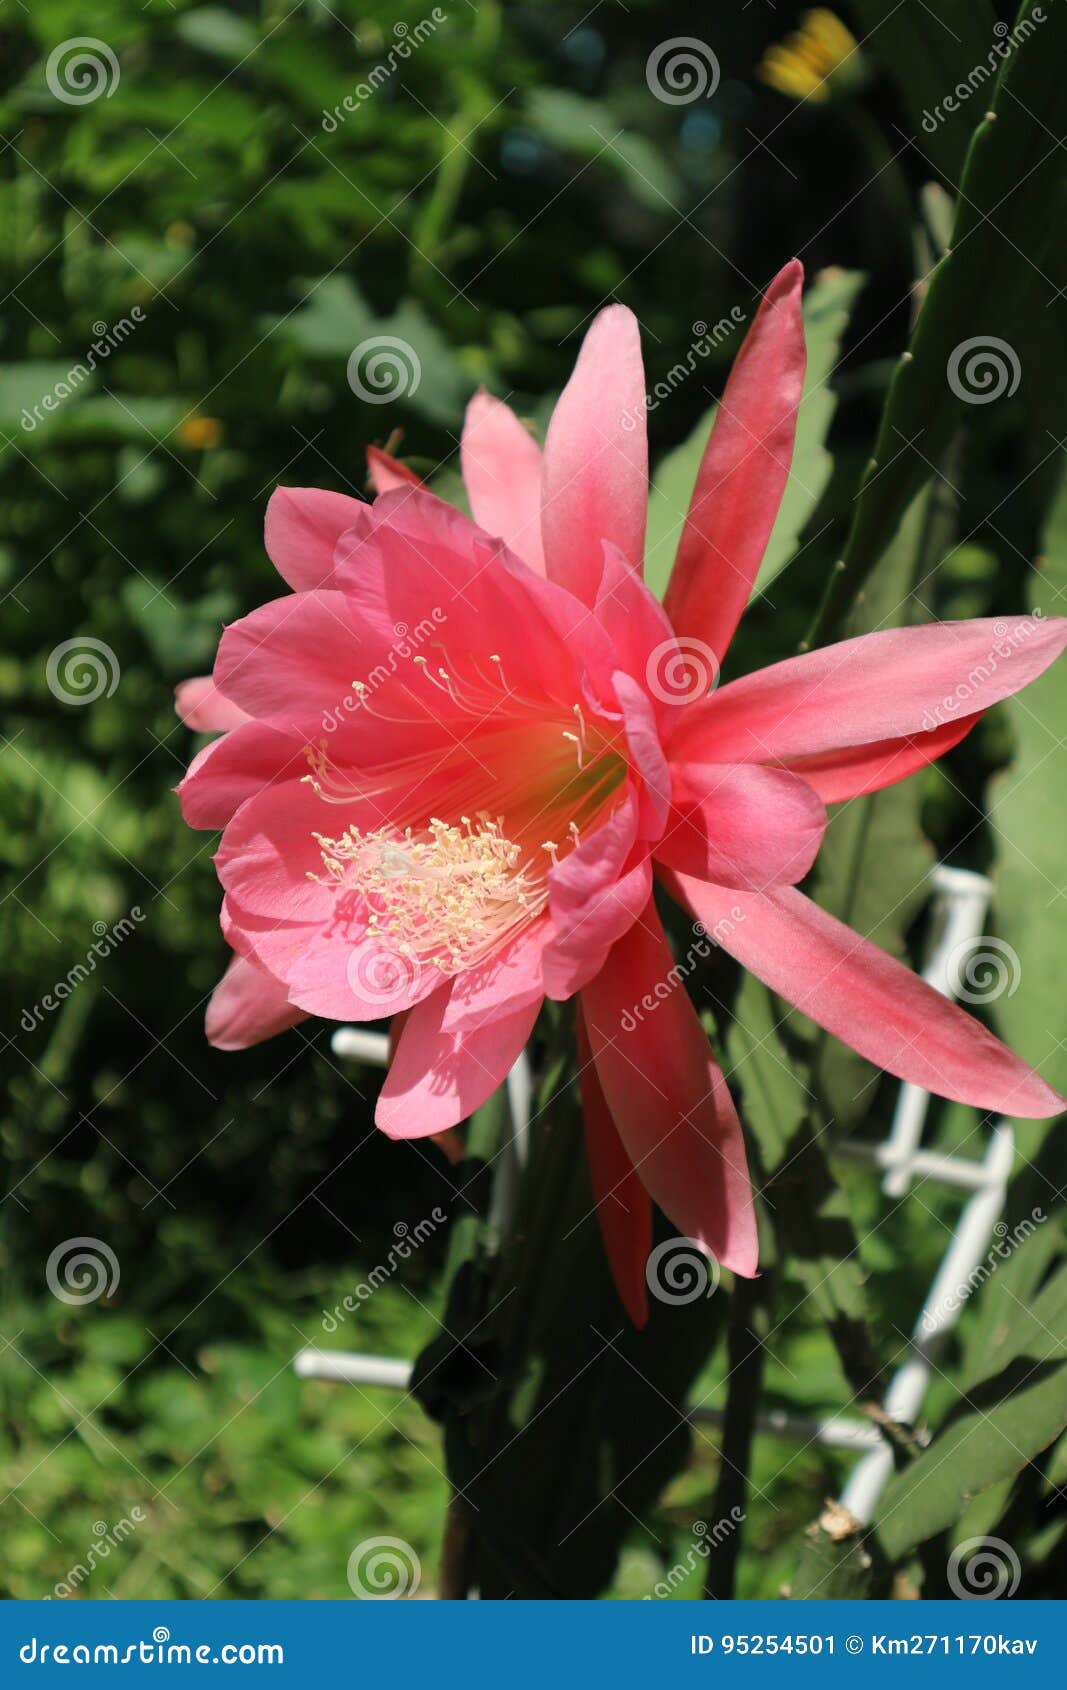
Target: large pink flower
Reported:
[(453, 757)]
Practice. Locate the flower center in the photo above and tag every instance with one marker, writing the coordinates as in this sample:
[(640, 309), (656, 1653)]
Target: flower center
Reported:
[(446, 895)]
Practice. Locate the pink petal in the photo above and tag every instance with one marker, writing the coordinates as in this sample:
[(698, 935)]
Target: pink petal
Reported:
[(300, 654), (743, 474), (742, 825), (286, 911), (508, 981), (387, 474), (502, 473), (857, 769), (641, 637), (237, 766), (866, 998), (596, 458), (427, 570), (439, 1076), (202, 707), (302, 527), (646, 753), (248, 1006), (900, 684), (622, 1204), (668, 1098), (594, 895)]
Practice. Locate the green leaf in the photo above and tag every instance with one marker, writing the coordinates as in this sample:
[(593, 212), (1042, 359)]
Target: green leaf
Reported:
[(826, 309), (928, 49), (581, 126), (1005, 1429), (1011, 208), (1027, 807), (337, 319)]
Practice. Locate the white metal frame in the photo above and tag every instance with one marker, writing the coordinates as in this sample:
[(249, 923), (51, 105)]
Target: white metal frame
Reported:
[(961, 902)]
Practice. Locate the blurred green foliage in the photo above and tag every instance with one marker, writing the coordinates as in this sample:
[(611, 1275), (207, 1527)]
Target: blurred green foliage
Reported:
[(505, 177)]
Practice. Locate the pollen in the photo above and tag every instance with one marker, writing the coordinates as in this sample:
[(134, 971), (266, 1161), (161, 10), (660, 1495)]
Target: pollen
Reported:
[(445, 895)]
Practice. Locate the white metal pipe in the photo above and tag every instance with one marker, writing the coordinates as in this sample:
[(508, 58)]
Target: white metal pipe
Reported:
[(940, 1312), (353, 1369), (961, 902), (358, 1044)]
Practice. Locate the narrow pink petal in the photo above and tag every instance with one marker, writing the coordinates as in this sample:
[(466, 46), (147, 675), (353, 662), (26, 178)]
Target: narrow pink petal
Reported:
[(668, 1098), (742, 825), (439, 1076), (302, 527), (646, 752), (502, 472), (596, 458), (743, 474), (623, 1208), (858, 769), (248, 1006), (866, 998), (594, 895), (899, 684), (388, 473), (202, 707)]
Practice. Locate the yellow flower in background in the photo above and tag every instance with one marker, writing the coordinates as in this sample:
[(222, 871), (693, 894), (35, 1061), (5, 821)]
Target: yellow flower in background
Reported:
[(805, 64), (200, 433)]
